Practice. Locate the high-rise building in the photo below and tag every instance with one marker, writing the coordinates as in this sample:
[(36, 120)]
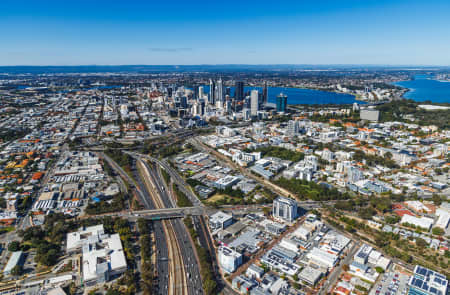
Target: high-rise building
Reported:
[(354, 174), (220, 91), (293, 128), (228, 106), (200, 92), (183, 102), (212, 92), (247, 102), (195, 94), (254, 102), (246, 114), (281, 103), (239, 90), (197, 109), (265, 93), (285, 209)]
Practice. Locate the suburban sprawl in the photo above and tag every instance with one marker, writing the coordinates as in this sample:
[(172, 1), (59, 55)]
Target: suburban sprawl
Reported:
[(202, 181)]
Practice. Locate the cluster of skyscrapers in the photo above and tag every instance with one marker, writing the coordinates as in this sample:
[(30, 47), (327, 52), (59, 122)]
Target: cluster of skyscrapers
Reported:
[(220, 98)]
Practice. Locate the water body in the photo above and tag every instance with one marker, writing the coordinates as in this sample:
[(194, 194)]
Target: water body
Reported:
[(301, 95), (24, 87), (423, 88)]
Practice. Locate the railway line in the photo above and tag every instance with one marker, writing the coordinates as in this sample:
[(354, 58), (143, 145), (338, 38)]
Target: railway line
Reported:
[(177, 275)]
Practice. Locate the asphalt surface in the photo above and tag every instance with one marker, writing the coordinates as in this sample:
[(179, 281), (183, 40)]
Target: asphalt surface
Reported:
[(192, 269), (162, 255), (162, 264), (207, 243)]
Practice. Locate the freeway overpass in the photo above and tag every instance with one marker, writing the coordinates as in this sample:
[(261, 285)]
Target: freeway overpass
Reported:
[(158, 214)]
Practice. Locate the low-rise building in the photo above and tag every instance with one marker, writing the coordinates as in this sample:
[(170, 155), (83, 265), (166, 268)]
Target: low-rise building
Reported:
[(229, 259), (102, 255)]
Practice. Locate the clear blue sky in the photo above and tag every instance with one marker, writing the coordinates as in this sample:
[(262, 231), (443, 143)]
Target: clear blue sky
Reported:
[(65, 32)]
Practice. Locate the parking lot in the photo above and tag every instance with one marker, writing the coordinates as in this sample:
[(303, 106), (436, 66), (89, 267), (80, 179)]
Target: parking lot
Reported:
[(391, 283)]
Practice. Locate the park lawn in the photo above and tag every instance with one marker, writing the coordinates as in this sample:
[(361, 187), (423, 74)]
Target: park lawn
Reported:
[(216, 197)]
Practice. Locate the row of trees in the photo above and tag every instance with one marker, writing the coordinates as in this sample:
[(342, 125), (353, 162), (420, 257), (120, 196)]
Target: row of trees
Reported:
[(182, 199), (279, 152), (309, 190), (116, 204), (206, 269), (373, 160), (394, 111), (146, 253)]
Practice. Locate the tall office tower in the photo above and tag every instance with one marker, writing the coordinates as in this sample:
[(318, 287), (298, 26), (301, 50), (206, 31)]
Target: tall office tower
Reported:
[(265, 93), (183, 102), (195, 110), (245, 114), (254, 102), (228, 106), (239, 91), (219, 91), (195, 95), (169, 91), (247, 102), (227, 91), (285, 209), (281, 103), (212, 90), (233, 104), (200, 92)]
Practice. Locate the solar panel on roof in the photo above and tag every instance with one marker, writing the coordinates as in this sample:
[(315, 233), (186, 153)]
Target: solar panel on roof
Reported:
[(422, 271)]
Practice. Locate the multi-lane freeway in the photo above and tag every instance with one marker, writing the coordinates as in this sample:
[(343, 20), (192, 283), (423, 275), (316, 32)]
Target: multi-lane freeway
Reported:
[(162, 285), (161, 196)]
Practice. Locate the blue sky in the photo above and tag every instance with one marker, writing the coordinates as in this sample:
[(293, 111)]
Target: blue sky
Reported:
[(396, 32)]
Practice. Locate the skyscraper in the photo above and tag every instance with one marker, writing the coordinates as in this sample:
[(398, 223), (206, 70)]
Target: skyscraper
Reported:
[(239, 91), (254, 102), (212, 90), (281, 103), (183, 102), (265, 93), (219, 91), (200, 92), (195, 95)]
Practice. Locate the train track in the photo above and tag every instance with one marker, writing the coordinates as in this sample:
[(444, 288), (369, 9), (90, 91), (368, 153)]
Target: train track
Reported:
[(177, 276)]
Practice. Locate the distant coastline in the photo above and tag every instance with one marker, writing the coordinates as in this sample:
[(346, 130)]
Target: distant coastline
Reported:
[(424, 88)]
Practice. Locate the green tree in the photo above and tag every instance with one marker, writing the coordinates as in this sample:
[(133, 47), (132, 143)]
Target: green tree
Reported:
[(14, 246), (421, 243), (17, 270), (437, 231)]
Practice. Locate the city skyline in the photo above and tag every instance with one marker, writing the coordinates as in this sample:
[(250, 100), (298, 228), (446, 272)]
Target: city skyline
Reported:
[(291, 32)]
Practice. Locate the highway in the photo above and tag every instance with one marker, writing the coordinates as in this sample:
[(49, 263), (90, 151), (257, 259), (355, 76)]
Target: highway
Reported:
[(190, 264), (174, 176), (162, 284)]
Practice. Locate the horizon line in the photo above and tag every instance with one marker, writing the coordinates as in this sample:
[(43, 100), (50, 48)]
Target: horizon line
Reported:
[(229, 64)]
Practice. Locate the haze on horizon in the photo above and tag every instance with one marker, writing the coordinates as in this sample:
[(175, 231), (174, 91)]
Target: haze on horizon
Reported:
[(396, 32)]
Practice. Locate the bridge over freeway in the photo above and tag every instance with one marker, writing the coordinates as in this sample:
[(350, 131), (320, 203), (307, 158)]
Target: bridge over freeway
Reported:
[(160, 214)]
